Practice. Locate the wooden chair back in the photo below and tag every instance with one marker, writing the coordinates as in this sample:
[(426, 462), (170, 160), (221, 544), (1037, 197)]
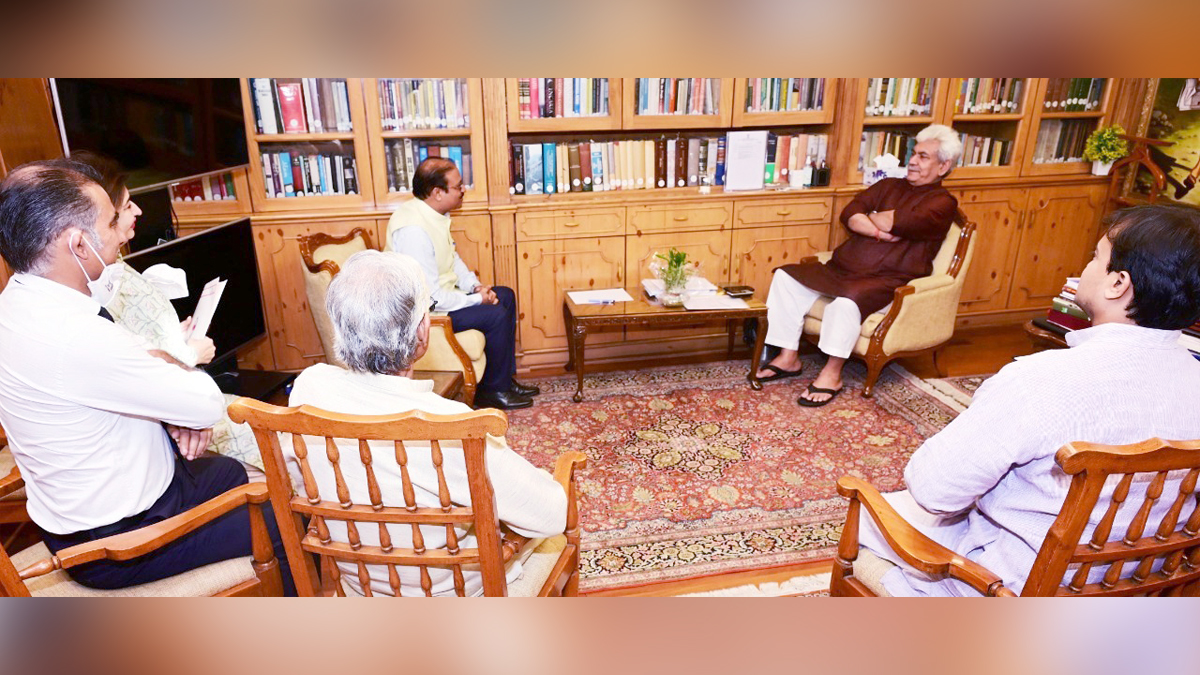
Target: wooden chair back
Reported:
[(379, 439), (310, 245), (1164, 557), (11, 584)]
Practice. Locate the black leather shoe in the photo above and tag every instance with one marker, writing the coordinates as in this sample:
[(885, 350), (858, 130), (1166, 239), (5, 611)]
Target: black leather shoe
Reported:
[(524, 389), (504, 400)]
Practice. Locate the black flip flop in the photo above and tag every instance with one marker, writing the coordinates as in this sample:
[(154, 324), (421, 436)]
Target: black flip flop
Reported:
[(817, 390), (780, 373)]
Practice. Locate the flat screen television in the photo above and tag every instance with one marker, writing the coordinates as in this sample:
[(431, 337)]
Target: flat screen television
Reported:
[(160, 130), (225, 251)]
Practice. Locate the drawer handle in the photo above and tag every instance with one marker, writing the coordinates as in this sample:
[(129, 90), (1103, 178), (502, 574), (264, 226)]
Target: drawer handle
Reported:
[(681, 218), (570, 224), (785, 212)]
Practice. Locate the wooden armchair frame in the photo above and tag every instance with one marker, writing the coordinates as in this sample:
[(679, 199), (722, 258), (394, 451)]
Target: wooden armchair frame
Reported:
[(875, 358), (12, 511), (494, 546), (309, 244), (131, 545), (1175, 542)]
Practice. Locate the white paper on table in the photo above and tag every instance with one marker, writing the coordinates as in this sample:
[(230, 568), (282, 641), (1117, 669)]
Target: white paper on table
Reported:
[(1191, 342), (714, 302), (206, 307), (695, 286), (603, 296), (745, 160)]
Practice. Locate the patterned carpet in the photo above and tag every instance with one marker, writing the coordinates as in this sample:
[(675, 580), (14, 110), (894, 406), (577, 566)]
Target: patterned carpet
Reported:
[(960, 389), (691, 473)]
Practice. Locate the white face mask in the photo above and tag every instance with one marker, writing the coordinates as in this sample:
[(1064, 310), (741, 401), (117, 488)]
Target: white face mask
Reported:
[(104, 287)]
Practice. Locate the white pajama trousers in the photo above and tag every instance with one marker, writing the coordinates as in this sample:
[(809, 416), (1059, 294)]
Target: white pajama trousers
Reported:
[(789, 301)]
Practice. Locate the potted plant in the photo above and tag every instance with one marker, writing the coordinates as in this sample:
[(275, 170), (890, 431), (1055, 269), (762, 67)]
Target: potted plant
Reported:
[(1104, 147), (673, 269)]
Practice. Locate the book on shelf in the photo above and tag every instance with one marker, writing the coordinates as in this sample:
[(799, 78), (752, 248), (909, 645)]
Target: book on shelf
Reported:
[(300, 105), (1074, 94), (989, 95), (308, 171), (1064, 312), (409, 104), (676, 95), (404, 154), (985, 151), (784, 94), (206, 188), (899, 96), (899, 143), (1062, 140), (549, 168), (558, 97)]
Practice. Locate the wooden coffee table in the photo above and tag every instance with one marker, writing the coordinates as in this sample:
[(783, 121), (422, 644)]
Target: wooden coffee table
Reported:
[(643, 311)]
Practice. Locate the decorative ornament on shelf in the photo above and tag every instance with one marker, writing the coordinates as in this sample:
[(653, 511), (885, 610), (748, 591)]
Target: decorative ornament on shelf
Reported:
[(673, 269), (1104, 147)]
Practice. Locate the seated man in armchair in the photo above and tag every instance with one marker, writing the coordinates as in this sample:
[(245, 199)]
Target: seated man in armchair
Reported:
[(379, 307), (987, 486), (896, 228)]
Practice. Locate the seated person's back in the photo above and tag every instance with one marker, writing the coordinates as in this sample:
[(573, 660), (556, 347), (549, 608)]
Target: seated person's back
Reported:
[(379, 308)]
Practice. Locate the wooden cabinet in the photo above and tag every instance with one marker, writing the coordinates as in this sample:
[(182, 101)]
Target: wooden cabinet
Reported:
[(680, 217), (1060, 230), (998, 215), (545, 269), (710, 249), (783, 211), (473, 240), (758, 251), (570, 223)]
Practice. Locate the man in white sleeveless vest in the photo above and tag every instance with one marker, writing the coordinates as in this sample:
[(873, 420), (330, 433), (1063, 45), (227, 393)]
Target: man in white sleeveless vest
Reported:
[(421, 228)]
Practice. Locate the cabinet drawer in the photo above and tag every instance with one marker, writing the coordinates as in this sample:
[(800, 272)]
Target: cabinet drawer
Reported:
[(670, 217), (569, 223), (783, 212)]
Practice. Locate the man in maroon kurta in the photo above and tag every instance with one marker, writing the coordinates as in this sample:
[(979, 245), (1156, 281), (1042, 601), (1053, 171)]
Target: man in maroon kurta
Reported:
[(896, 228)]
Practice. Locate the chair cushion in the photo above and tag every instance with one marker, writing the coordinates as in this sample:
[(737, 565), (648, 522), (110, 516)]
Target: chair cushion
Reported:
[(7, 463), (869, 569), (200, 582)]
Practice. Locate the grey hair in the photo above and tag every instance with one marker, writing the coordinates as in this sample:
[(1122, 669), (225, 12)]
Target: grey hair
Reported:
[(376, 303), (949, 145), (38, 202)]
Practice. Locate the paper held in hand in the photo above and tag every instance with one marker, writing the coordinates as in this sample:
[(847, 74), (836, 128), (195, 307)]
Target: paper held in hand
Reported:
[(210, 297)]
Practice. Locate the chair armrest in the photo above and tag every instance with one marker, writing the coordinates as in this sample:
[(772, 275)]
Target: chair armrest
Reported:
[(564, 474), (923, 553), (932, 282), (442, 323), (130, 545), (11, 483)]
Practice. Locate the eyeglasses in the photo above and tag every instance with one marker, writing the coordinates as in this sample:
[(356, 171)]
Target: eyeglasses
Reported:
[(432, 305), (460, 187)]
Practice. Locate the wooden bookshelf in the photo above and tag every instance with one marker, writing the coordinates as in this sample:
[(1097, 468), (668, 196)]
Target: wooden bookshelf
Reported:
[(471, 136), (517, 124), (722, 94), (1038, 116), (203, 208), (1011, 126), (352, 144), (744, 117)]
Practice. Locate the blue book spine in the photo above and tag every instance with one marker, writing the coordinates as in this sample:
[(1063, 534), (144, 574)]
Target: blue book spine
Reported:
[(456, 156), (576, 92), (549, 167), (533, 169), (597, 166), (285, 172), (643, 94), (422, 154), (324, 175), (720, 177)]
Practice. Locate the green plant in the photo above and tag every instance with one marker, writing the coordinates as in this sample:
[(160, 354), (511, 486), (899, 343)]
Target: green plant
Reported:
[(1106, 145), (675, 268)]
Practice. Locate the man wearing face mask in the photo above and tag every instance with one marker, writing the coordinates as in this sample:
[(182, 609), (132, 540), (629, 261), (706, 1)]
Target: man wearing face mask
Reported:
[(107, 437)]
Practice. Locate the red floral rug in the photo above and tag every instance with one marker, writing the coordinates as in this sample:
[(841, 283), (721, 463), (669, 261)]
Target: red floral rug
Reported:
[(692, 473)]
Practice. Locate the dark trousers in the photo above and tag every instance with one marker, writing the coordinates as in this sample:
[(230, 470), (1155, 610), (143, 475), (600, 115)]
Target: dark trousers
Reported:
[(498, 323), (224, 538)]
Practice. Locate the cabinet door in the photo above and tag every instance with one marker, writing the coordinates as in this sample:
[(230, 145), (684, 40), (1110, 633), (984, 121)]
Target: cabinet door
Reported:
[(758, 251), (1061, 228), (547, 269), (998, 215), (294, 339), (710, 249), (473, 241)]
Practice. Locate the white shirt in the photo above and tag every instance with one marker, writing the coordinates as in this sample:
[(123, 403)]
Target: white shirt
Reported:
[(404, 237), (1117, 384), (83, 402), (528, 500)]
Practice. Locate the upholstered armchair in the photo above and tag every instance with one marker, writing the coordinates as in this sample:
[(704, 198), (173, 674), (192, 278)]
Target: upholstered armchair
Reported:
[(921, 315), (323, 254)]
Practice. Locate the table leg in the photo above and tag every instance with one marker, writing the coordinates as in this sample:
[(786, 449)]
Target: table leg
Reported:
[(758, 350), (576, 338), (731, 326), (569, 325)]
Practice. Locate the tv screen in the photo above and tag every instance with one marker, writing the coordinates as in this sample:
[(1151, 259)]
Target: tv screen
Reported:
[(160, 130), (225, 251)]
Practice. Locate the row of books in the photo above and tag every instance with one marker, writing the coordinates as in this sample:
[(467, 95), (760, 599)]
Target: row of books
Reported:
[(548, 97), (301, 105), (876, 143), (989, 95), (636, 164), (785, 94), (409, 104), (900, 96), (985, 151), (1061, 141), (403, 155), (306, 171), (1064, 312), (677, 95), (204, 189), (1074, 94)]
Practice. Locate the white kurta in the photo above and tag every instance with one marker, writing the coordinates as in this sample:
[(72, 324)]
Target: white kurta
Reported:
[(528, 499), (1117, 384)]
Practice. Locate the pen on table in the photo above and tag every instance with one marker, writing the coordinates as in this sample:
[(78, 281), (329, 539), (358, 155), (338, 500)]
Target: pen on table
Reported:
[(602, 302)]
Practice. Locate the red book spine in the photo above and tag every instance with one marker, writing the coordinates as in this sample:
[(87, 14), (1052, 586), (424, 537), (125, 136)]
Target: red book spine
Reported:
[(291, 107)]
